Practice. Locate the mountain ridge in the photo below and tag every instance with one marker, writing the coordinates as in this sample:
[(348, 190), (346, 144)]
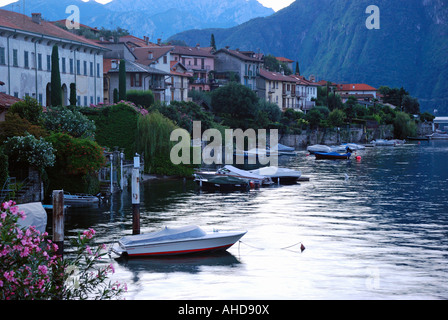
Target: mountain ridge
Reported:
[(154, 18), (330, 40)]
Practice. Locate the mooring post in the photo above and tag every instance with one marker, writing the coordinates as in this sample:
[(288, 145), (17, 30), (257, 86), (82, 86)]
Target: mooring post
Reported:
[(58, 221), (136, 196)]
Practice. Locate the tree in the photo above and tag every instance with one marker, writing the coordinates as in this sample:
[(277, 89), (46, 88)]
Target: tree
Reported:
[(336, 118), (272, 64), (56, 90), (28, 109), (116, 95), (122, 81), (314, 117), (410, 104), (212, 41), (297, 68), (141, 98), (404, 126), (236, 103), (73, 98)]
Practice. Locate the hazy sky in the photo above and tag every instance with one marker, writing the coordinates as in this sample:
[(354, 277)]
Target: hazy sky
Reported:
[(274, 4)]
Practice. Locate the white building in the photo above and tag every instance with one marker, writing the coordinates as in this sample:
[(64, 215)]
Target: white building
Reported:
[(306, 93), (26, 45)]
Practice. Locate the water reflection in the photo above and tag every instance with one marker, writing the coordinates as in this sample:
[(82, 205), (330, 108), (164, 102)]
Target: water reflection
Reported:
[(374, 228), (188, 263)]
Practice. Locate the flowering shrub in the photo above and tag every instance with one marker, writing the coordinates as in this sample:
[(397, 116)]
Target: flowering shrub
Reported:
[(29, 150), (30, 269), (27, 261), (76, 156), (62, 119)]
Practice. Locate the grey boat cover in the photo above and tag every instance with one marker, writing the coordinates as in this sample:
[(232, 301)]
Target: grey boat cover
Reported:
[(35, 216), (166, 234)]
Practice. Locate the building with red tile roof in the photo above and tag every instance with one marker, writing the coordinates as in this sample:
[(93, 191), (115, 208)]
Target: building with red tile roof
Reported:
[(26, 45)]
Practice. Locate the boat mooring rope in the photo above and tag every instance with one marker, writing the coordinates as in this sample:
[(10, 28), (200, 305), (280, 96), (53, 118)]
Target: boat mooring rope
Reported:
[(302, 247)]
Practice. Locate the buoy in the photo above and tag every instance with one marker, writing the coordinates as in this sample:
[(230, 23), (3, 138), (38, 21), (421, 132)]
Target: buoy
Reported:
[(358, 158), (252, 185), (302, 247)]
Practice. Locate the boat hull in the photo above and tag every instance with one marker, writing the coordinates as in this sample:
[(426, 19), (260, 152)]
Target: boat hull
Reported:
[(210, 243), (332, 156)]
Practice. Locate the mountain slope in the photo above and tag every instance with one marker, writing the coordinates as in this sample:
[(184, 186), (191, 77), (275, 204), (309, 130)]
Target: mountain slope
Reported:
[(154, 18), (331, 41)]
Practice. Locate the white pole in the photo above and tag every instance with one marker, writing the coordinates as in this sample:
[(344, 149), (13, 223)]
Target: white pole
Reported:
[(111, 174), (121, 171), (136, 196)]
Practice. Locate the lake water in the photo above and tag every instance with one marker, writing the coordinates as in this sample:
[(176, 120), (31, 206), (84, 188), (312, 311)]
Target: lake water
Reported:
[(373, 229)]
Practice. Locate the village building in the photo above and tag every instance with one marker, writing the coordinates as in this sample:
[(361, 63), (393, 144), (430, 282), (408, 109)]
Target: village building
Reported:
[(139, 76), (361, 91), (243, 66), (306, 93), (26, 45), (200, 62), (277, 88)]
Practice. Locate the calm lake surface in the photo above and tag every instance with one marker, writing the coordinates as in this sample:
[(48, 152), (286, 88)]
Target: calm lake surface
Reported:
[(373, 229)]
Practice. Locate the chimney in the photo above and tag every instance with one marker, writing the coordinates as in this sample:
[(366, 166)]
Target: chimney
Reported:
[(159, 41), (150, 55), (198, 45), (114, 64), (37, 18)]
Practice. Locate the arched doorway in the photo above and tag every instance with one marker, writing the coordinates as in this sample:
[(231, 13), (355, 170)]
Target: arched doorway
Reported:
[(48, 95), (64, 95)]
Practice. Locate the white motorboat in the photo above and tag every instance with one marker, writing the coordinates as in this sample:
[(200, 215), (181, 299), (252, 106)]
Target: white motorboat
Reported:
[(438, 136), (319, 148), (280, 175), (80, 200), (231, 171), (176, 241)]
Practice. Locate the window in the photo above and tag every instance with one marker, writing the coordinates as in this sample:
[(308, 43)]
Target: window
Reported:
[(40, 99), (78, 99), (39, 61), (85, 101), (16, 94), (165, 59), (98, 70), (2, 56), (48, 62), (63, 65), (26, 63), (91, 70), (136, 80), (91, 100), (71, 66), (195, 61), (78, 66), (85, 68), (15, 60)]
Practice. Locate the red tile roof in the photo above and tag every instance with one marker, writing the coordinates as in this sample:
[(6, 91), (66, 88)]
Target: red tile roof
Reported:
[(355, 87), (275, 76), (19, 21), (242, 55), (142, 54), (6, 100), (282, 59), (192, 51)]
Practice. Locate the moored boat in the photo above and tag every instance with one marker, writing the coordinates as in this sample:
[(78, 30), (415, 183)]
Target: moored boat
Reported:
[(279, 175), (176, 241), (332, 155), (232, 171), (220, 182), (80, 200)]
